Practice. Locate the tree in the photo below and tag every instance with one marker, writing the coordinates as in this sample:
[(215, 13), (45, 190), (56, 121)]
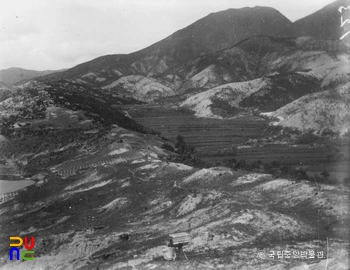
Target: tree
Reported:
[(168, 147), (325, 174), (180, 144)]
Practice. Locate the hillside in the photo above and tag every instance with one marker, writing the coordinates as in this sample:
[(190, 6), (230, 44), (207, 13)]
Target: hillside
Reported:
[(264, 94), (327, 110), (97, 182), (260, 56), (278, 71), (255, 57), (141, 88), (5, 91)]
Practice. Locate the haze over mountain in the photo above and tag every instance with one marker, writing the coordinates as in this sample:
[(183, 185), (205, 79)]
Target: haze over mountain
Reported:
[(14, 75)]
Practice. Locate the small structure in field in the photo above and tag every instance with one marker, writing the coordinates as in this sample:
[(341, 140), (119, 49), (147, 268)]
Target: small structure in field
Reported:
[(177, 241)]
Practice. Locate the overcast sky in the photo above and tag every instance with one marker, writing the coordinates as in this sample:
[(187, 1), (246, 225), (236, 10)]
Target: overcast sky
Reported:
[(55, 34)]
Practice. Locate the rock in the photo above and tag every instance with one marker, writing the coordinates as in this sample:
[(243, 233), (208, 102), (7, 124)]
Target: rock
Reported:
[(125, 236), (169, 254)]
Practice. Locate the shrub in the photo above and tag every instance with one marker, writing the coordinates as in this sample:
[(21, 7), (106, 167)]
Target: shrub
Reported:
[(222, 108), (308, 138), (325, 174), (186, 154), (180, 144), (168, 147)]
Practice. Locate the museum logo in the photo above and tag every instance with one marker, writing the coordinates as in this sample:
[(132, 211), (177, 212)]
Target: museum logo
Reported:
[(26, 254)]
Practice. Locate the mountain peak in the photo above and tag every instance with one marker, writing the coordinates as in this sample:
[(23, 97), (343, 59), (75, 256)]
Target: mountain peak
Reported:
[(248, 11), (212, 33)]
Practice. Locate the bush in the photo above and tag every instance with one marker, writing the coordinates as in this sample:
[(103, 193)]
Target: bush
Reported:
[(180, 144), (168, 147), (308, 138), (4, 94), (222, 108), (325, 174), (186, 154)]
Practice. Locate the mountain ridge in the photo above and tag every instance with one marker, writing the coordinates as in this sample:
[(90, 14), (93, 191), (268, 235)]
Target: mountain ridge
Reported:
[(201, 37), (206, 35)]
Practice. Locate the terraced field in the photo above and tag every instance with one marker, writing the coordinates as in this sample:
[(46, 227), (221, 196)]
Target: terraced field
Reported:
[(217, 139)]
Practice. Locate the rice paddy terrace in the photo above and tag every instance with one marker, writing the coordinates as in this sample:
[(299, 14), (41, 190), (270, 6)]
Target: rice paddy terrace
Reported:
[(249, 138)]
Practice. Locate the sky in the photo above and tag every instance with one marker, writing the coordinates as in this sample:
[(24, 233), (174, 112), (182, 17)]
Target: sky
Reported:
[(57, 34)]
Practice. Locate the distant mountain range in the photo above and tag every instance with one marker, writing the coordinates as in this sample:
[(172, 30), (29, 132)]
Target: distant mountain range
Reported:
[(11, 76)]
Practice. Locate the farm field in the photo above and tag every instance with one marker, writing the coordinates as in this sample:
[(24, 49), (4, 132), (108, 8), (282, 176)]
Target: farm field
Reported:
[(222, 139), (338, 170)]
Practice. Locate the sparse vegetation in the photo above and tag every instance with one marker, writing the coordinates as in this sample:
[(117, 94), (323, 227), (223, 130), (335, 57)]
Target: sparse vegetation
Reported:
[(279, 170), (186, 154), (168, 147), (4, 94), (32, 102), (222, 108), (282, 89), (309, 138)]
